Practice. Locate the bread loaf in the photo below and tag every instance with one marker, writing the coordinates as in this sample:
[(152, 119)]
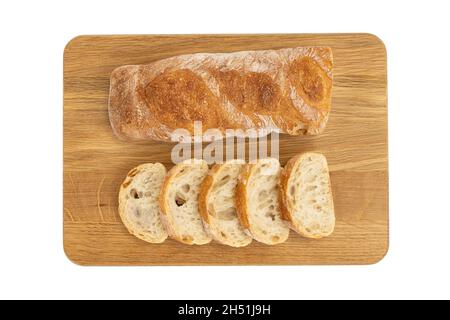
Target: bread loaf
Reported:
[(288, 90)]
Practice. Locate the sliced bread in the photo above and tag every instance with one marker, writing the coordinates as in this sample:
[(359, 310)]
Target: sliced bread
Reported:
[(257, 202), (138, 202), (306, 197), (178, 201), (218, 206)]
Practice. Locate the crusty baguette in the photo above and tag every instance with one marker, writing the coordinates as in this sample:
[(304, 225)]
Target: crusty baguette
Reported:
[(306, 197), (138, 202), (178, 201), (218, 207), (288, 90), (257, 202)]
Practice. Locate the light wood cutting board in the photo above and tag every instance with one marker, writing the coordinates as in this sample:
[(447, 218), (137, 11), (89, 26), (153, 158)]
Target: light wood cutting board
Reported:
[(95, 162)]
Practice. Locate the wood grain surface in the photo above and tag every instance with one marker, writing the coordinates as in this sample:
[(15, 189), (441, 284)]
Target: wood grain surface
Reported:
[(95, 162)]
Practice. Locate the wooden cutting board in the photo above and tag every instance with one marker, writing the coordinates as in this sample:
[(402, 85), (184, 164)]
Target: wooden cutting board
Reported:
[(95, 162)]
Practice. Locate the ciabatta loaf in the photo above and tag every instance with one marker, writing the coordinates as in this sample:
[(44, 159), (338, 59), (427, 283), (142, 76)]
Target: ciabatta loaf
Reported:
[(138, 202), (288, 90), (218, 206), (178, 201), (307, 200), (257, 202)]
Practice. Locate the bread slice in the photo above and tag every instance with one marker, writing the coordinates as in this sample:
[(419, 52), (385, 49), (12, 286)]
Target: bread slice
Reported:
[(306, 198), (178, 201), (138, 202), (218, 206), (257, 202)]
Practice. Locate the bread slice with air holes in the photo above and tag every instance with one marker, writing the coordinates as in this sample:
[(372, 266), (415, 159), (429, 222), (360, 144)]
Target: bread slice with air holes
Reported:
[(178, 201), (257, 201), (218, 206), (306, 197), (138, 202)]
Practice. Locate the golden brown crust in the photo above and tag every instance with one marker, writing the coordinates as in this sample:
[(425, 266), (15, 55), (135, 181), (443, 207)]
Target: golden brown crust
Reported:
[(287, 89), (133, 172), (312, 82), (283, 187), (180, 97), (255, 94), (241, 198), (164, 206), (205, 188)]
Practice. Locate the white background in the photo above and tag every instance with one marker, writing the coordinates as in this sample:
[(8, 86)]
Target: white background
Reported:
[(33, 36)]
